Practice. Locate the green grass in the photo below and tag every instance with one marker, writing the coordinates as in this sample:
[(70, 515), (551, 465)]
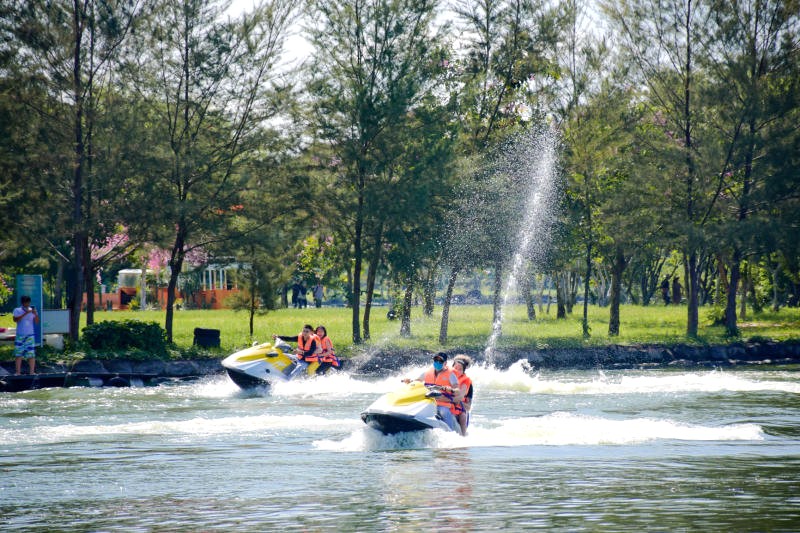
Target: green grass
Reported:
[(469, 328)]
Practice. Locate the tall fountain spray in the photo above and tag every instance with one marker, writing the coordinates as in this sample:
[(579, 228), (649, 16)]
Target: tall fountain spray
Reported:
[(532, 161)]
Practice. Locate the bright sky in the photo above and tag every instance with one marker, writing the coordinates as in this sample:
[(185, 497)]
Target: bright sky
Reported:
[(296, 49)]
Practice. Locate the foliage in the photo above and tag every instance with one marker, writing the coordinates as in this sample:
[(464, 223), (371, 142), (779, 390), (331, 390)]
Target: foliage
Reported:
[(5, 290), (128, 334), (209, 89), (169, 125), (374, 68), (315, 259)]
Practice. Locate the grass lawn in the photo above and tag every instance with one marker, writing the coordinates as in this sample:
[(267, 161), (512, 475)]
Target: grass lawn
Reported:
[(469, 328)]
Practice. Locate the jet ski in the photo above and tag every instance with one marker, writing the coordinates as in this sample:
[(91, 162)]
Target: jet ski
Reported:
[(264, 364), (410, 408)]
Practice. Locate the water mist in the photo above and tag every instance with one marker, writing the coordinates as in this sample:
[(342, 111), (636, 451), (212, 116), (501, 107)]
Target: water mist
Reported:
[(531, 160)]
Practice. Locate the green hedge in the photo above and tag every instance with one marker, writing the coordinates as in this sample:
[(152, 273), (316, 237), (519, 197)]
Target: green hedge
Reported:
[(126, 335)]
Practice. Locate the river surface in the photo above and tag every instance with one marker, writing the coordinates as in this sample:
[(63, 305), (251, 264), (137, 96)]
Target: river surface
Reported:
[(654, 450)]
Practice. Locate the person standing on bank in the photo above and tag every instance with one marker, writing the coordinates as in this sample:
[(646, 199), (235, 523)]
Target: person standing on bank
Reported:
[(302, 299), (676, 291), (665, 291), (319, 294), (25, 316)]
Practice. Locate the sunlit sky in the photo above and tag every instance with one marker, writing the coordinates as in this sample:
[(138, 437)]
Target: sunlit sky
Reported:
[(297, 49)]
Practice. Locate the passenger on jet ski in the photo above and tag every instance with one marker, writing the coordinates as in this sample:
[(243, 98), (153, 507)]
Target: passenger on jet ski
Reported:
[(460, 364), (309, 346), (327, 357), (447, 382)]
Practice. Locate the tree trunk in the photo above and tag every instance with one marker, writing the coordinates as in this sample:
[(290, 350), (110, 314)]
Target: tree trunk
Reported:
[(571, 287), (731, 328), (498, 292), (253, 290), (616, 290), (355, 298), (587, 279), (372, 270), (692, 319), (561, 308), (745, 289), (540, 296), (448, 297), (79, 238), (88, 283), (776, 304), (285, 296), (528, 294), (692, 315), (176, 258), (405, 322), (429, 292)]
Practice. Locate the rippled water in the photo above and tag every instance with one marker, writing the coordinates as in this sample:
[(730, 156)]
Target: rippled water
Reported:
[(648, 450)]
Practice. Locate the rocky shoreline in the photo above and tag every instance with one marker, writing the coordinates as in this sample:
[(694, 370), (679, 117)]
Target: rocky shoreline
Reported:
[(379, 362), (607, 357)]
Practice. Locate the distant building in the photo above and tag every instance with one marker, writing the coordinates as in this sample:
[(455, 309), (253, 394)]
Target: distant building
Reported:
[(205, 287)]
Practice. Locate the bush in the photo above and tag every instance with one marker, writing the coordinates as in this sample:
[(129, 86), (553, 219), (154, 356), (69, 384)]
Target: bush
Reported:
[(124, 335)]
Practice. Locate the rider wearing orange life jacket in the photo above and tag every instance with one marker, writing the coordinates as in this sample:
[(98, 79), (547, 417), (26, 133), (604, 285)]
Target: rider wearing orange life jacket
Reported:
[(309, 346), (460, 364), (327, 356), (447, 381)]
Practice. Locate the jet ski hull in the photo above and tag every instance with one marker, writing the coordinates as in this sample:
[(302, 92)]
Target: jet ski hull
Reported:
[(264, 365), (245, 380), (391, 423)]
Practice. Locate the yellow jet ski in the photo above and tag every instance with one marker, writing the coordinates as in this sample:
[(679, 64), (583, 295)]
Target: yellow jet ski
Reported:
[(264, 364), (410, 408)]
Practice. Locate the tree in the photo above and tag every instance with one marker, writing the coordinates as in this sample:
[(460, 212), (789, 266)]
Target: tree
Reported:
[(662, 38), (210, 82), (506, 73), (591, 133), (373, 63), (755, 67), (71, 47)]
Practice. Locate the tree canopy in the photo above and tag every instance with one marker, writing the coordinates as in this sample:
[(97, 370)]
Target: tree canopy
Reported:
[(391, 156)]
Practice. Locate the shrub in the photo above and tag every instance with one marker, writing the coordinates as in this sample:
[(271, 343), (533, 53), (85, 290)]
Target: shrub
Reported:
[(124, 335)]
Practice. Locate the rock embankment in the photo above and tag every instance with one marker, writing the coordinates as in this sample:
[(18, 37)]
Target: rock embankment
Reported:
[(165, 369), (379, 362), (611, 357)]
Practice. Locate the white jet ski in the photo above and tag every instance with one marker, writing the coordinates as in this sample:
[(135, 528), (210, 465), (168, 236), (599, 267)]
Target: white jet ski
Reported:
[(265, 364), (410, 408)]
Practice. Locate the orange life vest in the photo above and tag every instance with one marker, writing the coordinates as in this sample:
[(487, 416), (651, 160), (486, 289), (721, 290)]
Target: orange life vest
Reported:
[(464, 383), (328, 355), (305, 346), (443, 380)]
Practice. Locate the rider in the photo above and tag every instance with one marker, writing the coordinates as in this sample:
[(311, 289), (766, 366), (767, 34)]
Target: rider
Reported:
[(441, 376), (309, 347), (327, 356), (460, 364)]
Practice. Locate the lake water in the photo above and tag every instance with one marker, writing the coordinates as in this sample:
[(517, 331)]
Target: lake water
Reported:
[(655, 450)]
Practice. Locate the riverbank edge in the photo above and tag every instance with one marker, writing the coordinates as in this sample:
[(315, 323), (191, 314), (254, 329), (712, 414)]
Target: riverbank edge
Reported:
[(383, 362)]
